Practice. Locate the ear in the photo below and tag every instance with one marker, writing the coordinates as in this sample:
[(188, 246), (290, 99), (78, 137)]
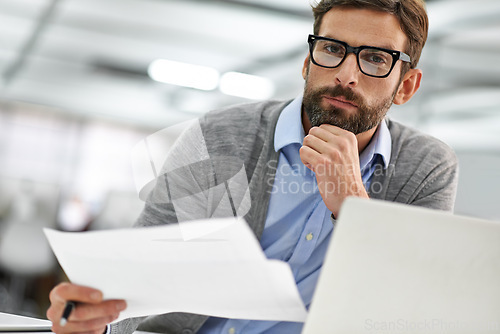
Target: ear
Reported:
[(408, 86), (305, 68)]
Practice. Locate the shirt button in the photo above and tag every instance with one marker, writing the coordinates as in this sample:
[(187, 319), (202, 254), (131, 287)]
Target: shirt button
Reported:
[(231, 330), (309, 237)]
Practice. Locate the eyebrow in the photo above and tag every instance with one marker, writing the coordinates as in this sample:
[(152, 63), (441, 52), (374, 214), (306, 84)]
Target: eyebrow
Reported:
[(383, 46)]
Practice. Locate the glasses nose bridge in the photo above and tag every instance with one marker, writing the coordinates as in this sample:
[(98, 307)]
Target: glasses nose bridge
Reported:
[(352, 49), (355, 50)]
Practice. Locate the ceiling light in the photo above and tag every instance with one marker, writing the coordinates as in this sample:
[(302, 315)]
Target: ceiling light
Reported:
[(183, 74), (246, 85)]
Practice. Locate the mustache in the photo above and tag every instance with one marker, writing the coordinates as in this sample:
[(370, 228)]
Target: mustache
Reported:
[(347, 93)]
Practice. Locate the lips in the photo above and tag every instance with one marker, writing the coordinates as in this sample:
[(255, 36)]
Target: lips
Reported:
[(340, 101)]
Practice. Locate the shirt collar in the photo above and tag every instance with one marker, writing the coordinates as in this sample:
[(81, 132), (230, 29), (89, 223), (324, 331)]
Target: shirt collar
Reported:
[(289, 130), (380, 145)]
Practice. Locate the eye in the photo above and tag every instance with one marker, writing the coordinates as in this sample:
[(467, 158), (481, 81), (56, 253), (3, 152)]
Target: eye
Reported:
[(333, 49), (376, 57)]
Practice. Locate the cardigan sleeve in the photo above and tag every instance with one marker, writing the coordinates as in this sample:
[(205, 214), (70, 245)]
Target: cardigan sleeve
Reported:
[(423, 171)]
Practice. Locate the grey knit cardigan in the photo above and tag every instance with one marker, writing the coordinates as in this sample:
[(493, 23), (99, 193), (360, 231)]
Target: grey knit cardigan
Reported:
[(423, 171)]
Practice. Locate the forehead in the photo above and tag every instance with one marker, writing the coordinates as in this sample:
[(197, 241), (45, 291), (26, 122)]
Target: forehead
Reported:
[(363, 27)]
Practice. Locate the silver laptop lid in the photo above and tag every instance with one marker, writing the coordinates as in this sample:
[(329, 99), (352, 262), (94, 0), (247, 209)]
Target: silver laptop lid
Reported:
[(392, 268)]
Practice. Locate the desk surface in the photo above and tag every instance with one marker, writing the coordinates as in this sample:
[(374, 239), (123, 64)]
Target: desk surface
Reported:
[(2, 332), (16, 324)]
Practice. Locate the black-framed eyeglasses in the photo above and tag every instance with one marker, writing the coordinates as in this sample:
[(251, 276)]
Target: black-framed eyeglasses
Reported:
[(372, 61)]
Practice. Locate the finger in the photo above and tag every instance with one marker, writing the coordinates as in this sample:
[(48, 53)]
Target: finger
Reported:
[(67, 291), (97, 325), (309, 156), (335, 130), (318, 144), (107, 308), (85, 312), (329, 133), (324, 152), (93, 307)]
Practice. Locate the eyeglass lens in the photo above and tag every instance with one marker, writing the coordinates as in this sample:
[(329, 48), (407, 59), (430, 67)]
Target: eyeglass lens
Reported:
[(371, 61)]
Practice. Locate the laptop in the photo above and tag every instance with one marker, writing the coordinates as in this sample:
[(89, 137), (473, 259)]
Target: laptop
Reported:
[(393, 268), (12, 323)]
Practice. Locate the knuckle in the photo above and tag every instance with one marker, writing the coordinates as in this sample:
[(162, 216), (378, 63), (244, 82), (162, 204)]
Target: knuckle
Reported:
[(84, 312), (314, 130), (109, 310), (57, 329), (303, 151), (63, 287), (88, 325), (333, 155), (343, 143), (111, 318), (321, 163), (50, 313), (80, 313), (307, 140), (54, 293), (351, 136), (59, 291), (97, 324), (328, 162), (351, 139)]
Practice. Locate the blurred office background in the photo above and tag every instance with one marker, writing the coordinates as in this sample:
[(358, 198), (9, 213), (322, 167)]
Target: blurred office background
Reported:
[(81, 83)]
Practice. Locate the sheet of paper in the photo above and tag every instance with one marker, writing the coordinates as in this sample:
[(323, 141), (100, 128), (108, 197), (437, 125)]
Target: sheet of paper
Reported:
[(156, 270), (16, 323)]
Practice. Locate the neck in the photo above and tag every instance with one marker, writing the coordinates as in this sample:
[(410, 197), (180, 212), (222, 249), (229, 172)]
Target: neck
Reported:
[(363, 138)]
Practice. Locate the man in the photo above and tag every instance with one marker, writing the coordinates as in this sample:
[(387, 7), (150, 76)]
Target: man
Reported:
[(301, 159)]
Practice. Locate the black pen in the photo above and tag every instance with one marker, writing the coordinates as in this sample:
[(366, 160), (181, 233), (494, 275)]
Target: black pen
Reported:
[(66, 313)]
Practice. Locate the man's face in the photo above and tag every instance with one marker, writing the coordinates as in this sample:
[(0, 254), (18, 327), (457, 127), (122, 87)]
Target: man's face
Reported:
[(344, 96)]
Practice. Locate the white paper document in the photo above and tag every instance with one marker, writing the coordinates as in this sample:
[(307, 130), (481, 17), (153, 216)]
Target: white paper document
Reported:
[(159, 270)]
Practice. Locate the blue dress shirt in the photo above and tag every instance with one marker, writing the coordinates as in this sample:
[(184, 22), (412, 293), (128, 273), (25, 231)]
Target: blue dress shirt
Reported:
[(298, 225)]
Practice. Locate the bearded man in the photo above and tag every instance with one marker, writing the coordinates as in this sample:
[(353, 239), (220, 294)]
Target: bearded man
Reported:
[(301, 159)]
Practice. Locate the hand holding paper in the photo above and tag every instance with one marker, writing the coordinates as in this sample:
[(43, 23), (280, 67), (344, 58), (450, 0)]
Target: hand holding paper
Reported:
[(223, 273)]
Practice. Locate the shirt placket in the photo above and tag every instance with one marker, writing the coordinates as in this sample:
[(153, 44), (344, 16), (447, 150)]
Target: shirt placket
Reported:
[(308, 238)]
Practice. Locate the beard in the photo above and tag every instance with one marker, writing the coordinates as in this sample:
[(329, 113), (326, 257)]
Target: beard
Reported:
[(366, 117)]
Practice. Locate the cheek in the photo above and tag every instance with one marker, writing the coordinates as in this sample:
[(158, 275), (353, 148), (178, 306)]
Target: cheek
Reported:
[(382, 89), (305, 70), (318, 77)]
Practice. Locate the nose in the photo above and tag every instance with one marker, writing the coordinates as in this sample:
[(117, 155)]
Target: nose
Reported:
[(347, 74)]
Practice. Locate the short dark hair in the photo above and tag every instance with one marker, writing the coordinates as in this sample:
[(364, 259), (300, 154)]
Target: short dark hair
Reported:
[(411, 14)]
